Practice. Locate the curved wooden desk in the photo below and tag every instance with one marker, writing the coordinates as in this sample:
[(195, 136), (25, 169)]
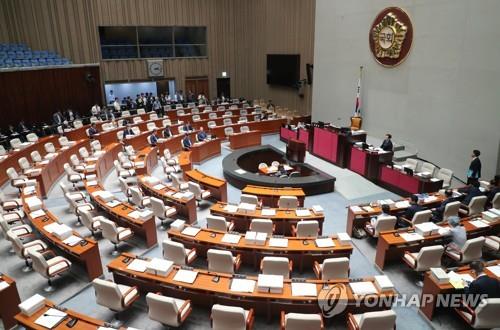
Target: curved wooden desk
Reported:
[(216, 186), (9, 294), (185, 161), (283, 219), (149, 156), (243, 140), (264, 126), (270, 196), (85, 253), (202, 151), (185, 207), (207, 290), (303, 251)]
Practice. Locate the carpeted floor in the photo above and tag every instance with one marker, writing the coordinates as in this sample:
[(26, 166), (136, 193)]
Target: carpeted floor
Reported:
[(73, 291)]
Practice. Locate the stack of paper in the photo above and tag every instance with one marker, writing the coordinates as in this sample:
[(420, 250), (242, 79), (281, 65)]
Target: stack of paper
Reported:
[(242, 285), (149, 179), (368, 209), (191, 231), (478, 224), (268, 212), (62, 231), (444, 231), (34, 203), (278, 242), (440, 275), (317, 209), (231, 208), (106, 196), (356, 209), (188, 195), (159, 267), (177, 225), (185, 276), (231, 238), (3, 285), (37, 214), (304, 290), (402, 204), (92, 183), (159, 186), (324, 242), (426, 228), (247, 207), (344, 238), (178, 195), (50, 318), (411, 237), (50, 227), (270, 283), (495, 270), (138, 265), (363, 288), (31, 305), (430, 199), (302, 213), (113, 203), (72, 240), (170, 193), (383, 283), (240, 171)]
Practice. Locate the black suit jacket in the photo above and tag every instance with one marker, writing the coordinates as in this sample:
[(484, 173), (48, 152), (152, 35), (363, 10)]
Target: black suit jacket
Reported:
[(167, 133), (475, 168), (127, 132), (492, 194), (484, 285), (471, 193), (386, 145), (409, 213)]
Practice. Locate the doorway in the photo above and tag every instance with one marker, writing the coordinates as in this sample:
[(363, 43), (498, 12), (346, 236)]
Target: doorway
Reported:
[(197, 86), (224, 87)]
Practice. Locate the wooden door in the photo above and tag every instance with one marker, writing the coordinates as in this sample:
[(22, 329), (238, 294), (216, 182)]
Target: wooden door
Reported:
[(197, 86)]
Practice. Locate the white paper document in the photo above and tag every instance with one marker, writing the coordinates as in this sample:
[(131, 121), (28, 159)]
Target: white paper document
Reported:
[(304, 290), (72, 240), (191, 231), (356, 209), (178, 195), (231, 208), (278, 242), (50, 318), (3, 285), (268, 212), (113, 203), (247, 206), (230, 238), (92, 183), (410, 237), (51, 227), (242, 285), (402, 204), (138, 265), (368, 209), (185, 276), (37, 214), (478, 224), (159, 186), (240, 171), (495, 270), (324, 242), (363, 288), (303, 213)]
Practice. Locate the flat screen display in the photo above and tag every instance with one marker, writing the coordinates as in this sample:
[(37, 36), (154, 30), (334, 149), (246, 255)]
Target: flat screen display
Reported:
[(283, 69)]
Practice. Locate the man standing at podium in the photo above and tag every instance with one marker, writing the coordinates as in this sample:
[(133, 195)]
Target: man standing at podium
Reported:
[(387, 143)]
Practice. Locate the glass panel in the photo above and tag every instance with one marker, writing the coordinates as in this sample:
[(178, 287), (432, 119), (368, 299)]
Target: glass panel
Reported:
[(155, 35), (112, 52), (157, 51), (117, 35), (190, 35), (191, 51)]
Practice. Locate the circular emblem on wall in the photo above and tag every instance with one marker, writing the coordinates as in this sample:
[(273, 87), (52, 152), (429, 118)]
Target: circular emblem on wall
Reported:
[(391, 36)]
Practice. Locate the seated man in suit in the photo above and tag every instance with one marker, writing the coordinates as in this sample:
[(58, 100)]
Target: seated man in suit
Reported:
[(167, 132), (471, 191), (494, 188), (482, 285), (153, 139), (386, 209), (387, 143), (437, 213), (58, 118), (202, 136), (128, 132), (187, 127), (93, 130), (186, 142), (410, 212)]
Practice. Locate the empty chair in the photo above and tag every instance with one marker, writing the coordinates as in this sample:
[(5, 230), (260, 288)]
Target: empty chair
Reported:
[(96, 148), (222, 261), (151, 126), (495, 203), (484, 316), (382, 320), (138, 198), (428, 257), (227, 121), (136, 131), (15, 143), (262, 226), (93, 223), (199, 194), (262, 166), (73, 176), (166, 122), (176, 252), (300, 321), (23, 250), (249, 199), (194, 111), (178, 184), (121, 172), (17, 227), (161, 211), (125, 188), (84, 153), (125, 113), (18, 181), (476, 206), (49, 268), (180, 112), (141, 111), (446, 175), (115, 234), (49, 148), (419, 217), (288, 202), (196, 118), (227, 114), (492, 243), (472, 250), (64, 142), (76, 164), (412, 164), (77, 124), (384, 223), (242, 120), (211, 124), (76, 196), (130, 151), (166, 310), (231, 318), (207, 109), (3, 152), (32, 137), (153, 116), (451, 209), (137, 120), (428, 168), (332, 268), (36, 157), (24, 164), (219, 223), (117, 297), (168, 169), (306, 228), (244, 129), (212, 115), (228, 131), (243, 112), (9, 204), (276, 266)]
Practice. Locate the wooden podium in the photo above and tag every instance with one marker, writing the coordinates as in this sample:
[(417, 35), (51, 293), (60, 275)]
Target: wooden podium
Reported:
[(296, 150)]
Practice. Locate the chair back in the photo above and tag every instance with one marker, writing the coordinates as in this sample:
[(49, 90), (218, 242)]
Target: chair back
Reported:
[(244, 129), (195, 111), (24, 163), (108, 294), (228, 131), (15, 143), (446, 175), (49, 146), (378, 320), (109, 230), (385, 223), (151, 126), (262, 226), (195, 189), (166, 122), (220, 261), (123, 186), (77, 124), (174, 252), (300, 321), (412, 163), (3, 152), (39, 263), (451, 209), (228, 317), (32, 137), (243, 112), (216, 222), (96, 145), (175, 181), (476, 204), (136, 130), (356, 122), (17, 245), (211, 124), (130, 150), (68, 169), (276, 266), (35, 156), (429, 256), (421, 217), (196, 118), (428, 167), (472, 249), (249, 199), (83, 152), (242, 119), (153, 116), (227, 121), (288, 202), (307, 228), (487, 313), (64, 187), (136, 196), (162, 309), (125, 113), (12, 173), (87, 219), (496, 201), (158, 207), (334, 268), (63, 141), (212, 115)]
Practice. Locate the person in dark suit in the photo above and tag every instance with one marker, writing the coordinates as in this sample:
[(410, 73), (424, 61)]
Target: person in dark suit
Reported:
[(474, 172), (387, 143), (437, 213), (202, 136), (128, 132), (494, 188), (410, 212), (482, 285), (471, 191), (93, 130), (187, 127), (167, 132), (58, 118), (186, 142), (153, 139)]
